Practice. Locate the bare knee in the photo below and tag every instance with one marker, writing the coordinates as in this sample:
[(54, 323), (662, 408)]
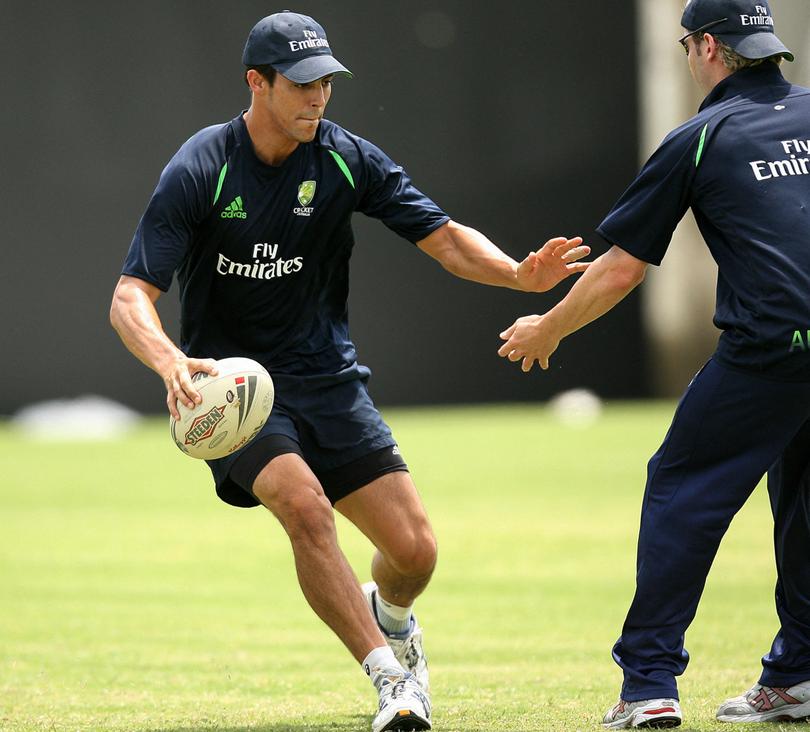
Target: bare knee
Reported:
[(301, 508), (307, 518), (414, 553)]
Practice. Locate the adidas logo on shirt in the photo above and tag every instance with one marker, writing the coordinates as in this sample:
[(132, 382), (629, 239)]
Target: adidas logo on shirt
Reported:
[(234, 210)]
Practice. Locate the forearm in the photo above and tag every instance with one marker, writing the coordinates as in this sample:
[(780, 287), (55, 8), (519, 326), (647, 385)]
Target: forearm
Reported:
[(604, 284), (467, 253), (608, 280), (135, 319)]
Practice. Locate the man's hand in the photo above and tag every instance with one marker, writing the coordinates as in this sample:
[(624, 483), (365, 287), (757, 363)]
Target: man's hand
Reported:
[(531, 338), (179, 385), (608, 279), (551, 264)]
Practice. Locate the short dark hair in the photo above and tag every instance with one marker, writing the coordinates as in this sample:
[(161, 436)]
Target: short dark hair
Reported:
[(266, 70)]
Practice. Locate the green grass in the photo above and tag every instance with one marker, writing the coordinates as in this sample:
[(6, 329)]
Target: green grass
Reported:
[(132, 599)]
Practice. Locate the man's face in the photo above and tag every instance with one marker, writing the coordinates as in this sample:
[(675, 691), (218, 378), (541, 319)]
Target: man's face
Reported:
[(295, 110)]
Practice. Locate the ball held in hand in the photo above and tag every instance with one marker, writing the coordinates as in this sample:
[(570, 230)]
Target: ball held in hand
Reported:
[(235, 405)]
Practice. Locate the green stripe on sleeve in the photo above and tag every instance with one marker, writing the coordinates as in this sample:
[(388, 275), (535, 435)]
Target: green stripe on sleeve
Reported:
[(342, 165), (700, 145), (222, 174)]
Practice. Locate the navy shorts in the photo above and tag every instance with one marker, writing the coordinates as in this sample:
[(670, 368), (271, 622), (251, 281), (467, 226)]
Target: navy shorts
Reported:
[(331, 422)]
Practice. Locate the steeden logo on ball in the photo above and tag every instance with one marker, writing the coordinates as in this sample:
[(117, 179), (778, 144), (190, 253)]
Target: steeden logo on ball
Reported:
[(203, 427), (235, 405)]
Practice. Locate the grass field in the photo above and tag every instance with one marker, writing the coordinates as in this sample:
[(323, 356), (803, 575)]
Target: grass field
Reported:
[(132, 599)]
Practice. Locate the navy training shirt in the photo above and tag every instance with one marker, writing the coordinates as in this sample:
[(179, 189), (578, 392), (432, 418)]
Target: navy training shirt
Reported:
[(262, 253), (743, 165)]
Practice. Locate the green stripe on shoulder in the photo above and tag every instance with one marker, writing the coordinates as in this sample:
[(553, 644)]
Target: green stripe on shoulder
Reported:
[(222, 174), (700, 145), (342, 165)]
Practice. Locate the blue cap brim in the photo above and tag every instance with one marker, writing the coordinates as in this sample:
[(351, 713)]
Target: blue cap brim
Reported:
[(312, 68), (755, 45)]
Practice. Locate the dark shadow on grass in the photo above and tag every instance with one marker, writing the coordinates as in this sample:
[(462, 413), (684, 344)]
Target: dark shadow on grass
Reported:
[(363, 724), (357, 723)]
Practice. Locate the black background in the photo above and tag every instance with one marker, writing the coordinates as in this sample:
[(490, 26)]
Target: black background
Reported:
[(520, 122)]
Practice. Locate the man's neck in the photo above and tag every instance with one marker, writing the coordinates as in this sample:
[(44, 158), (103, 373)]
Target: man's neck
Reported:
[(269, 144), (717, 74)]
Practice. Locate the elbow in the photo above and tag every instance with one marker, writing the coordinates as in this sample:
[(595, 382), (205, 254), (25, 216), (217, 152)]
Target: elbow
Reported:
[(627, 272), (114, 311), (117, 308), (115, 318), (632, 277)]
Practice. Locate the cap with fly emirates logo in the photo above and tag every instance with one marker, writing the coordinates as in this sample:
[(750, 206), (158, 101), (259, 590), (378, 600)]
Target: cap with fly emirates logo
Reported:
[(744, 25), (295, 45)]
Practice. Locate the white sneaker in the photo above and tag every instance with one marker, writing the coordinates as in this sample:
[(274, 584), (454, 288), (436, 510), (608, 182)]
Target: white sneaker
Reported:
[(408, 651), (768, 704), (658, 713), (403, 705)]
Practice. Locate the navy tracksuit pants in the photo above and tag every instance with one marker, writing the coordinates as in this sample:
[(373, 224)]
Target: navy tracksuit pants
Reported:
[(730, 428)]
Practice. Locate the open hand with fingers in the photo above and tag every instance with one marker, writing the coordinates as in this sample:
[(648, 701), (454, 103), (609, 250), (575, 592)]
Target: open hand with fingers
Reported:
[(552, 263), (530, 338)]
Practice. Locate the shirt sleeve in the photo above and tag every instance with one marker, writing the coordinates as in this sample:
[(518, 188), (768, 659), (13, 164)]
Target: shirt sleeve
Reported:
[(389, 195), (182, 198), (644, 218)]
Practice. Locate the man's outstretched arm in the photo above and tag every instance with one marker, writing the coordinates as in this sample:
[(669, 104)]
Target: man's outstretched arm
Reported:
[(608, 280), (468, 254)]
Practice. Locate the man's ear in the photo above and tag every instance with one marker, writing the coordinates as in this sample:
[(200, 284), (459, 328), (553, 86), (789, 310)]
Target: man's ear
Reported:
[(712, 47), (256, 81)]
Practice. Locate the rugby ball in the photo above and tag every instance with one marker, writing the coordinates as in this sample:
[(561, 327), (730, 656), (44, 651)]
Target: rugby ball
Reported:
[(235, 405)]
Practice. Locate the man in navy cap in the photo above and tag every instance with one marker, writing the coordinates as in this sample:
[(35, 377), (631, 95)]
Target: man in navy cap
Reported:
[(743, 165), (254, 217)]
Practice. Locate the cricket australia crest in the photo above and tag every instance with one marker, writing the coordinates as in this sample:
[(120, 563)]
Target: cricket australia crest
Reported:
[(306, 192)]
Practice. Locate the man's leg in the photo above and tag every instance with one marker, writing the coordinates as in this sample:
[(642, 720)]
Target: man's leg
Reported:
[(728, 429), (783, 690), (390, 513), (788, 662), (388, 510), (288, 488)]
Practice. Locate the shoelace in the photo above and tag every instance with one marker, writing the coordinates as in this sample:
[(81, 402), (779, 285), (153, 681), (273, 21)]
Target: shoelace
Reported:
[(400, 687), (393, 687), (390, 688), (398, 690)]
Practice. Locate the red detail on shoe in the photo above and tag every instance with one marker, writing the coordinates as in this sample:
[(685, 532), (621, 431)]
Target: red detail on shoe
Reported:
[(761, 698), (662, 710), (782, 694)]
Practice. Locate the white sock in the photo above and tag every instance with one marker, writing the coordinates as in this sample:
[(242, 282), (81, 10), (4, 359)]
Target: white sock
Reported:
[(379, 663), (394, 619)]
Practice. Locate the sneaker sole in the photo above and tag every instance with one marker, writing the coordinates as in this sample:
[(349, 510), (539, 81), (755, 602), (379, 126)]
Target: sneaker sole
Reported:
[(645, 721), (661, 723), (794, 713), (406, 721)]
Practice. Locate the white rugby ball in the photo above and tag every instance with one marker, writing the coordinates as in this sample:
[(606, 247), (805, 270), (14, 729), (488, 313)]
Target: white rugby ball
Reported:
[(235, 405)]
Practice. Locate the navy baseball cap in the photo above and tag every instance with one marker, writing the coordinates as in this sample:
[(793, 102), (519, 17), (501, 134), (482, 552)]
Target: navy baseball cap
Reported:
[(294, 45), (744, 25)]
